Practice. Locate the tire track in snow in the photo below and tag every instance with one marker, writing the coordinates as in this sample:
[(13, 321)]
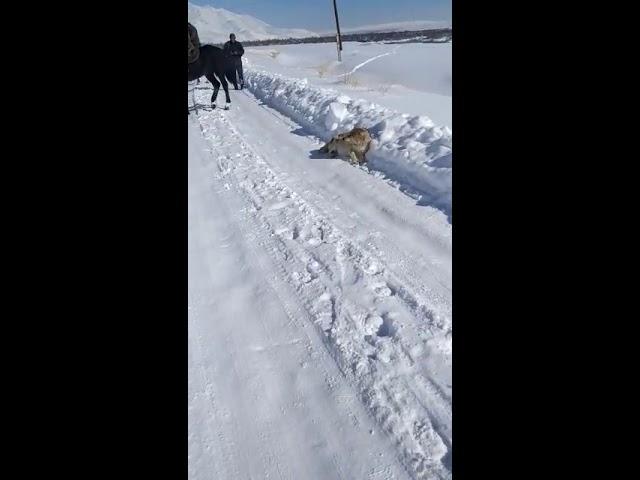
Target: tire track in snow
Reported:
[(293, 310), (431, 416), (289, 230), (222, 444), (359, 66)]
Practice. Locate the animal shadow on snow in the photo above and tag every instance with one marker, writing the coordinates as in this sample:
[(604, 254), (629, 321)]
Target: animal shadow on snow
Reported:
[(313, 154), (447, 460), (317, 155), (200, 106)]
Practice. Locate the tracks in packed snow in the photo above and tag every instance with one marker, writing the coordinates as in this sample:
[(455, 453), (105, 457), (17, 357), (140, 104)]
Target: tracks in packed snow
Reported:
[(375, 318)]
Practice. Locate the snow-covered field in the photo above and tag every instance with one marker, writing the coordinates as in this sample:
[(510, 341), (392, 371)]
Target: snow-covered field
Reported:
[(320, 323), (413, 78)]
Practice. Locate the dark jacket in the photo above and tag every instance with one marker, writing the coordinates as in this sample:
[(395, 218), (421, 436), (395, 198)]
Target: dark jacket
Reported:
[(193, 46), (233, 49)]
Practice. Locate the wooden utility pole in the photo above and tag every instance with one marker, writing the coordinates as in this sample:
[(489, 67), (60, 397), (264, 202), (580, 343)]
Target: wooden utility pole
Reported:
[(338, 37)]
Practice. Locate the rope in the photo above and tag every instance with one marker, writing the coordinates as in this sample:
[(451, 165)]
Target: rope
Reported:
[(193, 97)]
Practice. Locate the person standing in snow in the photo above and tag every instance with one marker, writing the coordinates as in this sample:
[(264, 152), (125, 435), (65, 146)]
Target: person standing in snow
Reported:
[(193, 45), (234, 51)]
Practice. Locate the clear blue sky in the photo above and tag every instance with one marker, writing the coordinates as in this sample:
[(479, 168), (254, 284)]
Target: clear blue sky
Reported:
[(318, 14)]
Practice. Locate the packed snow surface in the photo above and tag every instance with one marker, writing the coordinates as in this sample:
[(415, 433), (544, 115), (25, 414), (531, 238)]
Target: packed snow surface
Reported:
[(320, 326)]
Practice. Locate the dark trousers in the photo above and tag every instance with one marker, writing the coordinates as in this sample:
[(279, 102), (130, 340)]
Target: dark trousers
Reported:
[(237, 69)]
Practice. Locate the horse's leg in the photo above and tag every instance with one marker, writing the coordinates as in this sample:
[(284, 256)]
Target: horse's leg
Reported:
[(216, 87), (225, 85)]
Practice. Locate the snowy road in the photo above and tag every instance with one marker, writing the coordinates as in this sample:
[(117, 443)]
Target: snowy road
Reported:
[(319, 310)]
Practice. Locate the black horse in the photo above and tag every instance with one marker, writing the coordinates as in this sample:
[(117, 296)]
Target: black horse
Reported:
[(211, 64)]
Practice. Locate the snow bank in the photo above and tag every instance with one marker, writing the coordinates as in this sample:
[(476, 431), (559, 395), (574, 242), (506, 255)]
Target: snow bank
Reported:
[(409, 150)]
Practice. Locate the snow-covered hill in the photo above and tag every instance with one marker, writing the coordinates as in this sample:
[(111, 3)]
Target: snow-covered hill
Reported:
[(215, 24)]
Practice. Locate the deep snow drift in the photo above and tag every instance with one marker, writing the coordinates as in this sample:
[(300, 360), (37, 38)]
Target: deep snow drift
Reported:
[(409, 150)]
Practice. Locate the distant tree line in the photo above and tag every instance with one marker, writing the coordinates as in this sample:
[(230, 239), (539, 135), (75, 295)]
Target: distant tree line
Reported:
[(442, 35)]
